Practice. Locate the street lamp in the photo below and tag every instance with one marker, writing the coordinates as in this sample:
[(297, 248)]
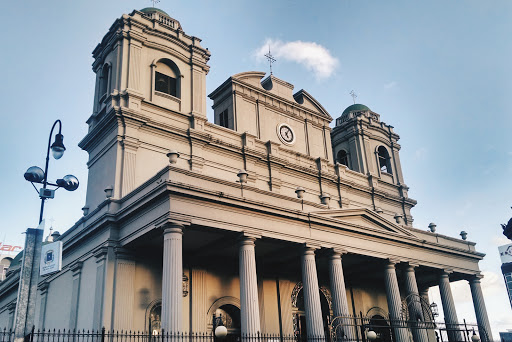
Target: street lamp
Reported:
[(35, 174), (219, 330), (29, 275)]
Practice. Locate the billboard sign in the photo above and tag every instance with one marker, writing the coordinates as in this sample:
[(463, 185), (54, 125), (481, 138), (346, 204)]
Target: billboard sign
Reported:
[(51, 258), (505, 253)]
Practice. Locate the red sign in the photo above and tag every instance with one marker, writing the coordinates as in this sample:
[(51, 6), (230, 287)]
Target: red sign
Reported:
[(9, 248)]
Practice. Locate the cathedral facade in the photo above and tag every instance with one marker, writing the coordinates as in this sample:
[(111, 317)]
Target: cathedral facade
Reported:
[(266, 216)]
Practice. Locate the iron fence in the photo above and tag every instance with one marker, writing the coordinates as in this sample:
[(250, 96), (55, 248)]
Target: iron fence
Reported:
[(340, 329)]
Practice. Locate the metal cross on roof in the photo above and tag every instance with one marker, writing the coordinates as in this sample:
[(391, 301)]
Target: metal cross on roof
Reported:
[(270, 58), (155, 2), (354, 95)]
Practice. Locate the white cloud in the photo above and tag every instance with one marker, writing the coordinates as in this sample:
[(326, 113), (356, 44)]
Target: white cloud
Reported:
[(390, 85), (313, 56)]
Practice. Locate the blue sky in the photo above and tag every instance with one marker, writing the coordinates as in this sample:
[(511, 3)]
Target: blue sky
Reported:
[(438, 71)]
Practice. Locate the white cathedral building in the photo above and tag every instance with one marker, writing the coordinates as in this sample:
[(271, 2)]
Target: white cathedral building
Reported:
[(267, 215)]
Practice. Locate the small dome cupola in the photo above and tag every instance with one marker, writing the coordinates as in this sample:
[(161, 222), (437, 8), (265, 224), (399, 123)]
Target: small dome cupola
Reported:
[(161, 16), (356, 110)]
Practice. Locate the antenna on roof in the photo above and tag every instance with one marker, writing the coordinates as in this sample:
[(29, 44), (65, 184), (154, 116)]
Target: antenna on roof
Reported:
[(354, 95), (270, 58), (155, 2)]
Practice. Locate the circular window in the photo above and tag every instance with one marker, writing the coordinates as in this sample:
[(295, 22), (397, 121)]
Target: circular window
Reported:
[(286, 134)]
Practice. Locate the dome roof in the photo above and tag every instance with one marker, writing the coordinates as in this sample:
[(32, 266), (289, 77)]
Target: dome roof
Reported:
[(355, 107), (153, 9)]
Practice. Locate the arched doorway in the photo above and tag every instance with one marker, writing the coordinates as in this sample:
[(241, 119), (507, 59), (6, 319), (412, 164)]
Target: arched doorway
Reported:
[(154, 318), (229, 309), (381, 327), (299, 315), (230, 316)]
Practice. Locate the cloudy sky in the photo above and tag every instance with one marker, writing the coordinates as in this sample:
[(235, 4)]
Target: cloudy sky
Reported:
[(438, 71)]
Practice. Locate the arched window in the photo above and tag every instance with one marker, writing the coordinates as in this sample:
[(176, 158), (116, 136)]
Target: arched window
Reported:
[(342, 157), (384, 160), (167, 78), (104, 81)]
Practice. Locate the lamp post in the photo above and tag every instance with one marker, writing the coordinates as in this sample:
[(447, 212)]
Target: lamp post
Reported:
[(34, 174), (29, 276)]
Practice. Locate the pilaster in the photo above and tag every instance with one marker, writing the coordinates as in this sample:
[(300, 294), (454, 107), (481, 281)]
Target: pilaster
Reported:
[(76, 270), (104, 287), (124, 289), (199, 301), (43, 291)]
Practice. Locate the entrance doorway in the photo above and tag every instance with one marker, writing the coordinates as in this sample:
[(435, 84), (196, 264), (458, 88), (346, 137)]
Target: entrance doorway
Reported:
[(381, 327), (300, 316)]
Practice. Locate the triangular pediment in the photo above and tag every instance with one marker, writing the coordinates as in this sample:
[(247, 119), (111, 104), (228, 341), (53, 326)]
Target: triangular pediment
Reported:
[(305, 99), (365, 219)]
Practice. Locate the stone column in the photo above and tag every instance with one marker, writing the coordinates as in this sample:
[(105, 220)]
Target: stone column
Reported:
[(484, 328), (312, 306), (419, 333), (249, 306), (172, 278), (394, 302), (450, 315), (339, 297)]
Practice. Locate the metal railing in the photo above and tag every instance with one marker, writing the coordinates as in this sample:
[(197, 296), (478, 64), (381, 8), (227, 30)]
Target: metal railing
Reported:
[(341, 329)]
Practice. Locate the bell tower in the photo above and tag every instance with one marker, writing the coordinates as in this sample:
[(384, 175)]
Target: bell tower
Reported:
[(367, 145), (150, 76)]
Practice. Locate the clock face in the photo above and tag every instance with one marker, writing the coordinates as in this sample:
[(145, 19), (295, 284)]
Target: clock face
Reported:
[(286, 134)]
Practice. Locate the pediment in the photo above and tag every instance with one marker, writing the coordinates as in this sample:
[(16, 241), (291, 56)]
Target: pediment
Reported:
[(303, 98), (365, 219)]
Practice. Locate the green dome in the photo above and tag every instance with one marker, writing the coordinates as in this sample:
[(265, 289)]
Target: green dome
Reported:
[(355, 107), (153, 9)]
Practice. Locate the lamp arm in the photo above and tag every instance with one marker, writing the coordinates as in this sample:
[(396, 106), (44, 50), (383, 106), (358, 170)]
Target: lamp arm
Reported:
[(45, 179)]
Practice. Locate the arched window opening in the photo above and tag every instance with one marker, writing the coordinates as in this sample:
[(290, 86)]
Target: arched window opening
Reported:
[(384, 160), (104, 81), (343, 157), (167, 78)]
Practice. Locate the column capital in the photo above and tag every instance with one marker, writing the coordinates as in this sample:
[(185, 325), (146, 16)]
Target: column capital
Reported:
[(123, 253), (100, 253), (76, 267), (248, 238), (172, 227), (411, 264), (475, 278), (391, 262), (43, 287), (337, 252), (11, 306), (309, 248), (445, 272)]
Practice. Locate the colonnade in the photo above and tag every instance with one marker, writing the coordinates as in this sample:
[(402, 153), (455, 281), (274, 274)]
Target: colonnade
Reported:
[(249, 310)]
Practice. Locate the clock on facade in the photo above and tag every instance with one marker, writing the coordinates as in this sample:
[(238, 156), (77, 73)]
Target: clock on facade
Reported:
[(286, 134)]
